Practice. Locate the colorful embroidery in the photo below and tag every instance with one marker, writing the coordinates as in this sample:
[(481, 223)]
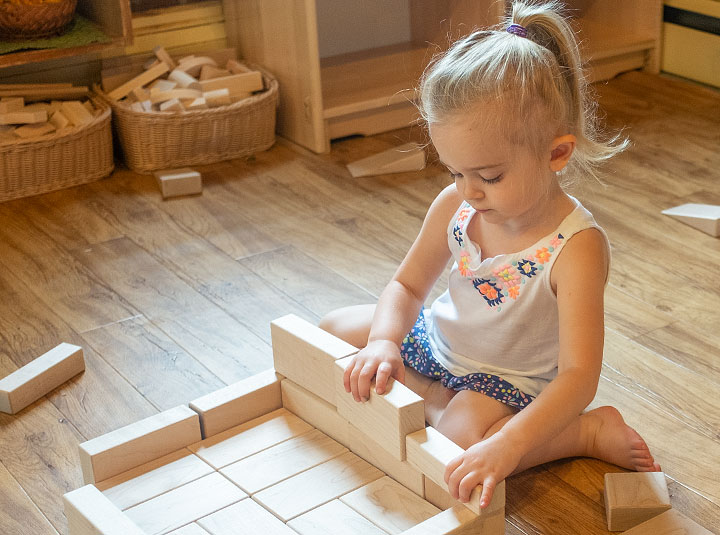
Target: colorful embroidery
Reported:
[(527, 268), (458, 228), (492, 294), (457, 234), (464, 264)]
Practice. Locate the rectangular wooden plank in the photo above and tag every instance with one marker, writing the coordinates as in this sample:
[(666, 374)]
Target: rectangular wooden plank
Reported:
[(460, 521), (90, 513), (138, 443), (314, 487), (239, 402), (334, 518), (389, 417), (185, 504), (389, 505), (305, 353), (140, 80), (282, 461), (37, 378), (246, 517), (439, 496), (154, 478), (251, 437)]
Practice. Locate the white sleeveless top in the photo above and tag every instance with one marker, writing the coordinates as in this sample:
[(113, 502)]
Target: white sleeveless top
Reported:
[(499, 315)]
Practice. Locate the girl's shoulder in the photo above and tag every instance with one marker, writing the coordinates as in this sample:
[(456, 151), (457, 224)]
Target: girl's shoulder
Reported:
[(446, 204)]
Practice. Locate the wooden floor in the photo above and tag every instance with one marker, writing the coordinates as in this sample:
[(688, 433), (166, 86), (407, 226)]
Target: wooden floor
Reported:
[(173, 299)]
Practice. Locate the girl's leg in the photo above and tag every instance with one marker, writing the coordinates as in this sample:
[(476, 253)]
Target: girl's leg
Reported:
[(352, 324)]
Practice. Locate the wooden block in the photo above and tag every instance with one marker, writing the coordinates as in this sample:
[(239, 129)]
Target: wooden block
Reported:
[(284, 460), (42, 92), (34, 130), (177, 182), (190, 529), (408, 157), (11, 104), (89, 106), (76, 112), (246, 517), (157, 96), (305, 354), (38, 106), (196, 104), (55, 105), (140, 94), (315, 411), (172, 105), (460, 521), (334, 518), (138, 443), (401, 471), (389, 505), (162, 85), (23, 117), (37, 378), (181, 78), (154, 478), (236, 84), (147, 105), (136, 106), (634, 497), (219, 97), (208, 72), (325, 482), (671, 522), (251, 437), (162, 55), (430, 451), (59, 120), (439, 496), (90, 513), (236, 67), (185, 504), (151, 62), (239, 402), (139, 81), (388, 417), (705, 217), (193, 64)]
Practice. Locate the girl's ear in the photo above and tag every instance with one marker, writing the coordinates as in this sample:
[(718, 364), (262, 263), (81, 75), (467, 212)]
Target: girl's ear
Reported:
[(561, 149)]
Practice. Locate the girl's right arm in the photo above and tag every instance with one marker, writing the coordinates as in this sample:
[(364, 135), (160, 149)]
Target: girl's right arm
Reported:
[(401, 301)]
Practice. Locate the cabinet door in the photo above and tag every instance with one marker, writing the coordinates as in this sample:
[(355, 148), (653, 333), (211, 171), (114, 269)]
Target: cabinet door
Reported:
[(282, 37)]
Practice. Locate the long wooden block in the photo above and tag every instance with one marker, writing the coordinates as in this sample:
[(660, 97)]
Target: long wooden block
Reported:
[(37, 378), (23, 117), (282, 461), (460, 521), (76, 112), (154, 478), (249, 438), (138, 443), (315, 411), (631, 498), (236, 84), (671, 522), (325, 482), (430, 451), (388, 417), (181, 78), (389, 505), (246, 517), (90, 513), (163, 96), (163, 55), (139, 81), (704, 217), (185, 504), (219, 97), (33, 94), (34, 130), (305, 354), (239, 402), (334, 518), (408, 157), (10, 104)]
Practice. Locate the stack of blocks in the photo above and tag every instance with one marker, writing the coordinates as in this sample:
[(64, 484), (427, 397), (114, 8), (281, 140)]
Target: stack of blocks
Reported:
[(286, 451)]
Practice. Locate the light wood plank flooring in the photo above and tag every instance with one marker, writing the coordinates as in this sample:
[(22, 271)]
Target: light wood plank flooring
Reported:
[(173, 299)]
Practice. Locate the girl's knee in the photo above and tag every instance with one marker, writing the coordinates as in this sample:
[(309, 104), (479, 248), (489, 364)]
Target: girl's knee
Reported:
[(351, 324)]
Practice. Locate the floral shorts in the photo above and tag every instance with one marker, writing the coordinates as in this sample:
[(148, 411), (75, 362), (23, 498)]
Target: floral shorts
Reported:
[(417, 354)]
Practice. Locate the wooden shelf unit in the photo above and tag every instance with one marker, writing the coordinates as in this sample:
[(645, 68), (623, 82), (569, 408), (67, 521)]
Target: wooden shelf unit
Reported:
[(113, 17), (371, 91)]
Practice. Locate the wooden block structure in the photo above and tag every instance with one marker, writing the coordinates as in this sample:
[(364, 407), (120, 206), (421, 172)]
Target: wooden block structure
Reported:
[(178, 182), (408, 157), (704, 217), (275, 455), (634, 497), (671, 522), (37, 378)]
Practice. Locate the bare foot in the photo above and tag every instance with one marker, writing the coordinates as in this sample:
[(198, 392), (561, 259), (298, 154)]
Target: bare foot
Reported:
[(612, 440)]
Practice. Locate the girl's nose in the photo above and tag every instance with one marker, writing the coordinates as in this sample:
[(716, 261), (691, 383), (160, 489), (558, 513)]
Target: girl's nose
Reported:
[(473, 190)]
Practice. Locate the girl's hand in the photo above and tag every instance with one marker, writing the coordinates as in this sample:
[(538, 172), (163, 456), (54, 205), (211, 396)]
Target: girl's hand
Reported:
[(486, 463), (380, 359)]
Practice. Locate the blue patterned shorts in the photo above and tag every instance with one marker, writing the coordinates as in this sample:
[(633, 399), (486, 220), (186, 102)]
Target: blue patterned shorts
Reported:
[(417, 354)]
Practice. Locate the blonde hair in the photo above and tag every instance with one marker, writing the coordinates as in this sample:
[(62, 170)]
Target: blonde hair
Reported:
[(537, 81)]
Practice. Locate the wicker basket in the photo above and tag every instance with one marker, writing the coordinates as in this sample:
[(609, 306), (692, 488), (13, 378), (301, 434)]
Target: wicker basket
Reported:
[(57, 161), (160, 140), (34, 20)]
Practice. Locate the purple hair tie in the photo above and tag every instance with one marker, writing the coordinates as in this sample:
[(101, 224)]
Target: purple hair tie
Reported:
[(516, 29)]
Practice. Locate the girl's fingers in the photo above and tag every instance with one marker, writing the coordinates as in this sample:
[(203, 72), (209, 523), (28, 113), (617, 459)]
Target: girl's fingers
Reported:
[(381, 377), (364, 379), (354, 378), (451, 467), (488, 489), (454, 478), (346, 376)]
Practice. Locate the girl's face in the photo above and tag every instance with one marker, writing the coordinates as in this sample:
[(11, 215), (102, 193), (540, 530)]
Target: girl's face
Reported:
[(503, 181)]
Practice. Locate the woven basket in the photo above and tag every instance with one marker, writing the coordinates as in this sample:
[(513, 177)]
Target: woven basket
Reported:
[(57, 161), (161, 140), (35, 21)]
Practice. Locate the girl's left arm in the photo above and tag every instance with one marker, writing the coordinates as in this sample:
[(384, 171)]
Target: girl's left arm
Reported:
[(578, 278)]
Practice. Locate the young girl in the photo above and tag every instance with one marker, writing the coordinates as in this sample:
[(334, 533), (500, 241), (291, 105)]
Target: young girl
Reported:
[(508, 358)]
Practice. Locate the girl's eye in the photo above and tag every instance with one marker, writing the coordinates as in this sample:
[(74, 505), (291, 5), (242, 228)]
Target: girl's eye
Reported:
[(492, 180), (455, 176)]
